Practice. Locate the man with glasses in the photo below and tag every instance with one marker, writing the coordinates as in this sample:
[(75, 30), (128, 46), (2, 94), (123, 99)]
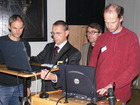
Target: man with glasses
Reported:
[(55, 52), (94, 30)]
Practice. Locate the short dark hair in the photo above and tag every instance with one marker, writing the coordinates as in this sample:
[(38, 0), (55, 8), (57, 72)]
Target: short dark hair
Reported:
[(119, 9), (14, 17), (61, 22), (96, 26)]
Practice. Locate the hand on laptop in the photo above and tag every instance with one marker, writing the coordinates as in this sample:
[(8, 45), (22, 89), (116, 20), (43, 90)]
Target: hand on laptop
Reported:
[(46, 75), (105, 89)]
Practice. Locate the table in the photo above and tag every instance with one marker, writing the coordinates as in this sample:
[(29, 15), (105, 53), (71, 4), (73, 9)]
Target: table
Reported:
[(3, 69), (55, 95)]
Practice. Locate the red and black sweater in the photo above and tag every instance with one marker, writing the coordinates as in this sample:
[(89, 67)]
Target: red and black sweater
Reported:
[(117, 59)]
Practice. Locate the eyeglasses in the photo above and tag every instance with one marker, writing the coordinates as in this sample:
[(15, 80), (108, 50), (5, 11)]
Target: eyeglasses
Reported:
[(58, 33), (92, 32)]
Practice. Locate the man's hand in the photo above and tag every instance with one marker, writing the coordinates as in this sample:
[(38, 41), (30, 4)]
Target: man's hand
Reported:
[(50, 76), (28, 92), (105, 89)]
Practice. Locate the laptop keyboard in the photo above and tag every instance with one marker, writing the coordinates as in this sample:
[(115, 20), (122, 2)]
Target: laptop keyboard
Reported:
[(83, 97)]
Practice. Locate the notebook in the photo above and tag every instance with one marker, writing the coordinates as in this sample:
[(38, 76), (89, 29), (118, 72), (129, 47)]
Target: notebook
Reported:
[(16, 58), (79, 82)]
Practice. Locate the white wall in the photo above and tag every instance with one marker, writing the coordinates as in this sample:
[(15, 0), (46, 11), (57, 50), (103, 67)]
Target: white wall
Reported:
[(55, 11), (131, 14)]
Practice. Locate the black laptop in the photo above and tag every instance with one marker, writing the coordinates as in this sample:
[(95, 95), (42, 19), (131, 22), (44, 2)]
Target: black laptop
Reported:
[(79, 82), (16, 58)]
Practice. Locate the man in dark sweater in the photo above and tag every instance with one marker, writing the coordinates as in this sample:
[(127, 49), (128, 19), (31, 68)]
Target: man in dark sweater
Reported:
[(11, 87)]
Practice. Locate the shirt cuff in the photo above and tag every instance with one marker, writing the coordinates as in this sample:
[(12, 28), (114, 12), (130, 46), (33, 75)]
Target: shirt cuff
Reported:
[(55, 81)]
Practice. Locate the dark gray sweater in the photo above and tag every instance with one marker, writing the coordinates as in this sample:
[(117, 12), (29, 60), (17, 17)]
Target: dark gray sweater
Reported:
[(10, 80)]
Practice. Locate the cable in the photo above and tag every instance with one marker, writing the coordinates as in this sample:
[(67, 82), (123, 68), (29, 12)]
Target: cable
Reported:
[(44, 94), (49, 71), (66, 85), (36, 84), (59, 100)]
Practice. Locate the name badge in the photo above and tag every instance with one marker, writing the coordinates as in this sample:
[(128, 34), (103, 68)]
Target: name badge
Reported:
[(103, 49)]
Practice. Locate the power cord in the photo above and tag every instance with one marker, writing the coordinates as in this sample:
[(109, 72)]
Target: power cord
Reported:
[(59, 100), (36, 84), (44, 94)]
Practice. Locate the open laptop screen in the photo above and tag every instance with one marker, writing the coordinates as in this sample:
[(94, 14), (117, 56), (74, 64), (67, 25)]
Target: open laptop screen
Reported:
[(78, 81), (15, 56)]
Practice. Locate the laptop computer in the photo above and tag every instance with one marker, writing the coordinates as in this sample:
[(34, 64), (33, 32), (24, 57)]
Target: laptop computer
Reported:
[(16, 58), (79, 82)]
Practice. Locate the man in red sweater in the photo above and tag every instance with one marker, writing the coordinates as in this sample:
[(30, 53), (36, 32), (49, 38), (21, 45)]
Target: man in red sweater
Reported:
[(116, 55)]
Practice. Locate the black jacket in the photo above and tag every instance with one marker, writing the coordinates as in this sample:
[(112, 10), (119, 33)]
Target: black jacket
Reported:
[(47, 56)]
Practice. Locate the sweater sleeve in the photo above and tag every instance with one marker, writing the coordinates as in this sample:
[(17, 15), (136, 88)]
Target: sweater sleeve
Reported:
[(40, 58), (75, 58), (132, 69)]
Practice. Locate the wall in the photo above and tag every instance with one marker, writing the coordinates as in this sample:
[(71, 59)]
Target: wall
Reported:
[(131, 14), (55, 11)]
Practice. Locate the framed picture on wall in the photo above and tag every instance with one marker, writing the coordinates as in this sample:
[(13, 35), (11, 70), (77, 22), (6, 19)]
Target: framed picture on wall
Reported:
[(33, 12)]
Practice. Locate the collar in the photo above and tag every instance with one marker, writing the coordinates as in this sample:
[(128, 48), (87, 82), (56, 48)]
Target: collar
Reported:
[(115, 32), (61, 45)]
